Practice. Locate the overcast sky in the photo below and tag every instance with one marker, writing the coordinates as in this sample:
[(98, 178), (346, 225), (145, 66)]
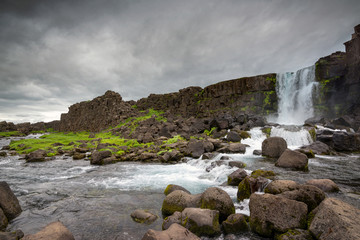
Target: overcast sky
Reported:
[(56, 53)]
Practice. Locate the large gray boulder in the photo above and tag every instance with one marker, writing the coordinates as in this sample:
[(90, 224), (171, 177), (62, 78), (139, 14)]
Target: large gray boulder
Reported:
[(202, 222), (195, 148), (308, 194), (334, 220), (53, 231), (236, 177), (233, 137), (179, 200), (8, 202), (271, 214), (348, 142), (326, 185), (217, 199), (273, 147), (293, 160), (97, 157), (175, 232), (168, 221), (279, 186), (36, 156), (317, 148)]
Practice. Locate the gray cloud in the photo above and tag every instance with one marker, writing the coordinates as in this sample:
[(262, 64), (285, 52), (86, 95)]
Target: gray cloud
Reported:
[(56, 53)]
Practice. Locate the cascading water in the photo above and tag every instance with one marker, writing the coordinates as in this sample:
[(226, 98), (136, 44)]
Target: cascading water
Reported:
[(295, 92)]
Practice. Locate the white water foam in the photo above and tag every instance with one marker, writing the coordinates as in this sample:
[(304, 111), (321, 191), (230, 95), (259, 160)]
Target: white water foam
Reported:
[(295, 91)]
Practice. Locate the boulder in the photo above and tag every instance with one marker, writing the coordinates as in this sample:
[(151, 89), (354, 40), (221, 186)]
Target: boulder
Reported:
[(326, 185), (335, 219), (195, 148), (3, 154), (233, 137), (308, 194), (217, 199), (270, 214), (238, 164), (98, 156), (8, 202), (209, 155), (317, 148), (280, 186), (295, 234), (172, 187), (233, 148), (78, 156), (250, 185), (175, 232), (168, 221), (36, 156), (53, 231), (273, 147), (293, 160), (235, 223), (3, 221), (257, 152), (236, 177), (143, 216), (178, 201), (14, 235), (348, 142), (263, 173), (202, 222)]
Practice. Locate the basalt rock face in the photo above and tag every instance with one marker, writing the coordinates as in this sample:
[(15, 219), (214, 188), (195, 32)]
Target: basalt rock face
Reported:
[(97, 114), (250, 94), (339, 80), (27, 127)]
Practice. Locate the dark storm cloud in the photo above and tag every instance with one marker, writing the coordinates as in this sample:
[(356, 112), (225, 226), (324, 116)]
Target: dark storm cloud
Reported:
[(56, 53)]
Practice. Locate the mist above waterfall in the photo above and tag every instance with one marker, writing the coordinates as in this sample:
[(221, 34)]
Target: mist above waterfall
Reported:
[(295, 96)]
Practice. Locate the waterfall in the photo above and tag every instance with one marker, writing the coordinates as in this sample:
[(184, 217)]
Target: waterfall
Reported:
[(295, 90)]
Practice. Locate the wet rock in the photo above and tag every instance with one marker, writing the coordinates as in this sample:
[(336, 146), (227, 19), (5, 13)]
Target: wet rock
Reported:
[(202, 222), (168, 221), (225, 158), (53, 231), (308, 194), (195, 148), (98, 156), (273, 147), (172, 187), (235, 223), (317, 148), (263, 173), (3, 221), (271, 213), (344, 141), (295, 234), (237, 164), (78, 156), (14, 235), (293, 159), (335, 219), (8, 202), (143, 216), (175, 232), (209, 155), (257, 152), (326, 185), (236, 177), (214, 165), (280, 186), (82, 150), (233, 137), (250, 185), (178, 201), (233, 148), (3, 154), (217, 199), (36, 156), (5, 147)]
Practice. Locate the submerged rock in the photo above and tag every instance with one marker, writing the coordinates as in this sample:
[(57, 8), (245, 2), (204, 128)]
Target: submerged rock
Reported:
[(273, 147), (175, 232), (53, 231), (143, 216), (326, 185), (237, 164), (334, 220), (270, 214)]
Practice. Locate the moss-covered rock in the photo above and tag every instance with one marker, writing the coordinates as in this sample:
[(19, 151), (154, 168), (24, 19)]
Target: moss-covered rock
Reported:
[(280, 186), (235, 223), (202, 222), (178, 201), (263, 173), (173, 187), (143, 216), (295, 234), (236, 177)]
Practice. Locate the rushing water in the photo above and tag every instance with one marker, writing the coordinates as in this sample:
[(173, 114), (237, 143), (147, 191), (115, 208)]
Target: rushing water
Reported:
[(295, 91), (95, 202)]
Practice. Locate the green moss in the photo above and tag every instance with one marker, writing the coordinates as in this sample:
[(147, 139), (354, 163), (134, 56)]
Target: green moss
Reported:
[(263, 173), (267, 131), (134, 106), (312, 133), (244, 190), (11, 134), (271, 79), (244, 135), (174, 139), (209, 133)]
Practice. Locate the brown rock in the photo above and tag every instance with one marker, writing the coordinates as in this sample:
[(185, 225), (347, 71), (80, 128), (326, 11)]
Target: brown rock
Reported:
[(8, 202), (295, 234), (178, 201), (237, 164), (235, 223), (98, 156), (36, 156), (53, 231), (273, 147), (14, 235), (202, 222), (3, 221), (175, 232), (78, 156), (293, 159), (326, 185), (271, 213), (236, 177), (279, 186), (173, 187), (168, 221), (334, 220), (143, 216)]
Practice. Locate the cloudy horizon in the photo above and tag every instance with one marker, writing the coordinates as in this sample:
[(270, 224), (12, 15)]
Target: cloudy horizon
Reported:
[(55, 54)]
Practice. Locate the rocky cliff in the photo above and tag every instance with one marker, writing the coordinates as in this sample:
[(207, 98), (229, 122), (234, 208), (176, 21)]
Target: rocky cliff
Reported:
[(339, 80)]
